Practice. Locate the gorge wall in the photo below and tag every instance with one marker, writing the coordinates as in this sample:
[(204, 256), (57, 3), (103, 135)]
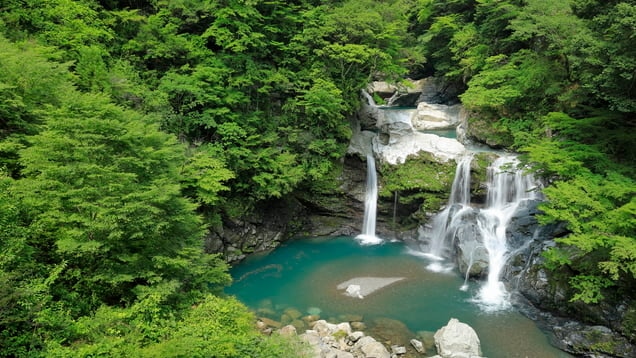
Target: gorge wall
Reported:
[(416, 171)]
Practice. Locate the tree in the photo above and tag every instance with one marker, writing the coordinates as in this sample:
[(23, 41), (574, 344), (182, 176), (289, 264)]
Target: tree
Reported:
[(102, 190)]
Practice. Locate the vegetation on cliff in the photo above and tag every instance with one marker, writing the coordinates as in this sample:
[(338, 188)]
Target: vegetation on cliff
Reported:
[(129, 127), (556, 81)]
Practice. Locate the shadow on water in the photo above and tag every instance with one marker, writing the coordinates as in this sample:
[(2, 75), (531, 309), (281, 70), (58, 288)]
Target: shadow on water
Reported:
[(304, 274)]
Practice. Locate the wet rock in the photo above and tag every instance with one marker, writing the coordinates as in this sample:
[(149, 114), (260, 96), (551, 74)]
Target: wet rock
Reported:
[(390, 331), (270, 322), (419, 346), (592, 341), (355, 336), (293, 313), (372, 348), (398, 349), (310, 319), (358, 326), (287, 331)]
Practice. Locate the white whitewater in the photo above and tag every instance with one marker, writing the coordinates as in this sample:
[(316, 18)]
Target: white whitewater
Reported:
[(367, 237), (443, 225), (507, 188)]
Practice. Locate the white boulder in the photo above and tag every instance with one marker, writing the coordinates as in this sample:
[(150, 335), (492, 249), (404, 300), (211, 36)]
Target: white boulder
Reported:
[(457, 340)]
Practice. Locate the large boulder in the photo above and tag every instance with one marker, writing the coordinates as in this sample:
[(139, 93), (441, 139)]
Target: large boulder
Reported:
[(457, 339), (371, 348), (429, 116), (444, 149)]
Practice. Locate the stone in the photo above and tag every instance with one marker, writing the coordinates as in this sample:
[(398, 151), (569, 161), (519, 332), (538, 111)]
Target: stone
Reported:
[(398, 349), (266, 311), (355, 336), (350, 317), (337, 353), (358, 326), (287, 331), (363, 341), (310, 336), (344, 327), (419, 346), (437, 116), (311, 318), (324, 328), (375, 349), (261, 325), (579, 339), (457, 339), (354, 291), (390, 330), (299, 324), (314, 311), (285, 319), (293, 313), (270, 322)]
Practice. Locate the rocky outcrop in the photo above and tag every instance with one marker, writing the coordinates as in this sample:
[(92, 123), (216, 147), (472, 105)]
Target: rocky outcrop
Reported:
[(456, 340), (260, 231), (339, 341), (396, 152), (545, 296), (410, 92), (429, 116)]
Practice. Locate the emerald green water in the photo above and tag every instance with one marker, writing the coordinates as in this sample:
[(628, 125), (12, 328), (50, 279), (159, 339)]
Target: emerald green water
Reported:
[(304, 273), (448, 133)]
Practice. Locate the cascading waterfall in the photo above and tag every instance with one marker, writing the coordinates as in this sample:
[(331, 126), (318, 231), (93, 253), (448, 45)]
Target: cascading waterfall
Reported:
[(443, 225), (507, 188), (478, 229), (367, 237)]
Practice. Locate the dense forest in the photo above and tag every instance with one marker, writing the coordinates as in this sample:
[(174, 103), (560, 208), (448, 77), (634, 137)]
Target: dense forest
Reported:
[(129, 128)]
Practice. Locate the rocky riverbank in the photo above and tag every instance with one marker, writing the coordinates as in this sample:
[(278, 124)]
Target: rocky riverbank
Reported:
[(330, 340)]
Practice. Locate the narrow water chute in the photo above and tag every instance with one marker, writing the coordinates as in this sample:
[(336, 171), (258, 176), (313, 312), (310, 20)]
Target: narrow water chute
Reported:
[(367, 236)]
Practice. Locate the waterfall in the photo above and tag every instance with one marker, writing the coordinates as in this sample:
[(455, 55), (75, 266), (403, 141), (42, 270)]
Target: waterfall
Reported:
[(443, 224), (507, 188), (367, 237), (479, 234)]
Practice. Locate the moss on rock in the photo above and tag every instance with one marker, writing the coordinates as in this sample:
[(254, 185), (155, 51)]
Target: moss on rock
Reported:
[(422, 183)]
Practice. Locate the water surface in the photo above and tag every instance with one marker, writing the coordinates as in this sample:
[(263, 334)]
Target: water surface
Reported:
[(304, 274)]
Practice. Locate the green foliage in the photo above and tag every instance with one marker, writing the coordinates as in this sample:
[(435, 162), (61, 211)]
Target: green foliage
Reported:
[(599, 211), (212, 327), (204, 175), (420, 182), (554, 79)]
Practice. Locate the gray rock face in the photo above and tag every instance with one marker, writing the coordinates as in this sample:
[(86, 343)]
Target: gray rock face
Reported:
[(472, 258), (457, 339), (410, 93), (578, 339)]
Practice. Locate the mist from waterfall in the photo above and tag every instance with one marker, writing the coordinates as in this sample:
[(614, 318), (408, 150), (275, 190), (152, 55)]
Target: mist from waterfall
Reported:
[(367, 237)]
